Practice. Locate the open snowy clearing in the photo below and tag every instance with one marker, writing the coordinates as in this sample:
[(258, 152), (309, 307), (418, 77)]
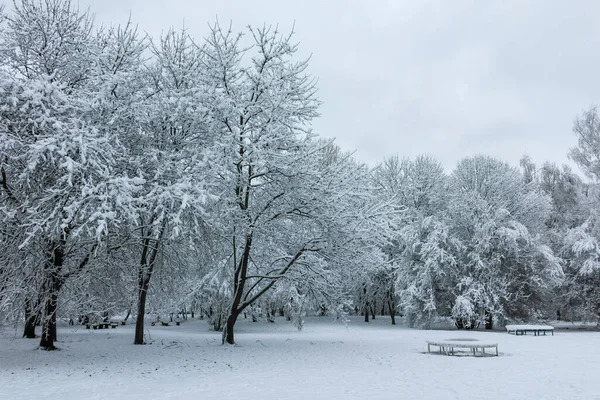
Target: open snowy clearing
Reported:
[(326, 360)]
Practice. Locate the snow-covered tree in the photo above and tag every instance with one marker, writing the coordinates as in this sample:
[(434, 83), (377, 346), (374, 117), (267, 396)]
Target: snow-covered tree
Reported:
[(286, 204), (505, 268), (56, 164), (587, 152), (422, 243), (582, 283), (156, 110)]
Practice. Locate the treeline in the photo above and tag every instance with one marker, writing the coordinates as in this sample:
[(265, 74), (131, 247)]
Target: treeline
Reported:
[(150, 177)]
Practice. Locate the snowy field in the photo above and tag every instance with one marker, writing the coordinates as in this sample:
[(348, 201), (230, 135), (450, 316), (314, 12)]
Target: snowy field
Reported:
[(326, 360)]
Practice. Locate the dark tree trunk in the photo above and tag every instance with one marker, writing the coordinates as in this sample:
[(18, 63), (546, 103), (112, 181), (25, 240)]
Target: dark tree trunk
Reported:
[(31, 317), (489, 321), (373, 312), (366, 304), (239, 283), (141, 312), (49, 321), (228, 336), (392, 311), (145, 269), (53, 270)]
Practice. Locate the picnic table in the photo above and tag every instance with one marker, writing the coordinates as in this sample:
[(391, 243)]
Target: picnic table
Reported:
[(523, 329), (447, 346)]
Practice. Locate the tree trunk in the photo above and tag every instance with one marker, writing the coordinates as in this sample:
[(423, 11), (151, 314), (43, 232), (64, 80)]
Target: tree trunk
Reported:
[(392, 312), (30, 321), (228, 332), (53, 269), (139, 322), (145, 269), (367, 313), (49, 320), (239, 283), (489, 320), (373, 312)]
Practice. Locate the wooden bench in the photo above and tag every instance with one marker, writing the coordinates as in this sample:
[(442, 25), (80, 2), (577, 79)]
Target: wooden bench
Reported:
[(523, 329), (447, 346)]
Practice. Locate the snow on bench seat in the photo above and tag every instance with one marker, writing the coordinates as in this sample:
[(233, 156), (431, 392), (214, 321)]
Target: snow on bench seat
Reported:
[(523, 329), (447, 345)]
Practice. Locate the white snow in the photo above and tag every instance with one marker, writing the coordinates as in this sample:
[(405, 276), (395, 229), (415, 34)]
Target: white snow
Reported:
[(326, 360)]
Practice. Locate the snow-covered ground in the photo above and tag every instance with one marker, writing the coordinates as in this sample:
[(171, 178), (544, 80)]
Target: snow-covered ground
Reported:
[(326, 360)]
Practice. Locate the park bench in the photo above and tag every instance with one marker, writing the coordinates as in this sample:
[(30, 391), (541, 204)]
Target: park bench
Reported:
[(98, 325), (166, 322), (447, 346), (101, 325), (523, 329)]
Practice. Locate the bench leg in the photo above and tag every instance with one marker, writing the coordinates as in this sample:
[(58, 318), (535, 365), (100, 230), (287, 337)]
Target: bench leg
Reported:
[(428, 348), (496, 351)]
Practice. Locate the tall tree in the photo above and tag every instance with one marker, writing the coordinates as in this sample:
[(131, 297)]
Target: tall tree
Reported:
[(284, 193), (166, 144), (56, 164)]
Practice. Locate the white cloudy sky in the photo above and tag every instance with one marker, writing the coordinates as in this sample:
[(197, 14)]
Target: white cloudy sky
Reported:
[(447, 78)]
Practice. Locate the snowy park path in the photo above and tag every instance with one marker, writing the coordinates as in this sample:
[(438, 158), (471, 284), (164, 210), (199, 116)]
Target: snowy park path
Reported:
[(326, 360)]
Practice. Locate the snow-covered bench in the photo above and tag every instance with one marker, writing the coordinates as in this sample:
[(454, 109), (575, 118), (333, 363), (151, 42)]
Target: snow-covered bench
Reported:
[(523, 329), (447, 346), (167, 322)]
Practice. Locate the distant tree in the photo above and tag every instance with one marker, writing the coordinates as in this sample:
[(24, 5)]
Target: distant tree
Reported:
[(506, 270), (587, 152), (421, 245), (582, 284)]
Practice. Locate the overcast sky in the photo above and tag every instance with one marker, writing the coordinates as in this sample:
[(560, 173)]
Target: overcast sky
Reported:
[(446, 78)]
